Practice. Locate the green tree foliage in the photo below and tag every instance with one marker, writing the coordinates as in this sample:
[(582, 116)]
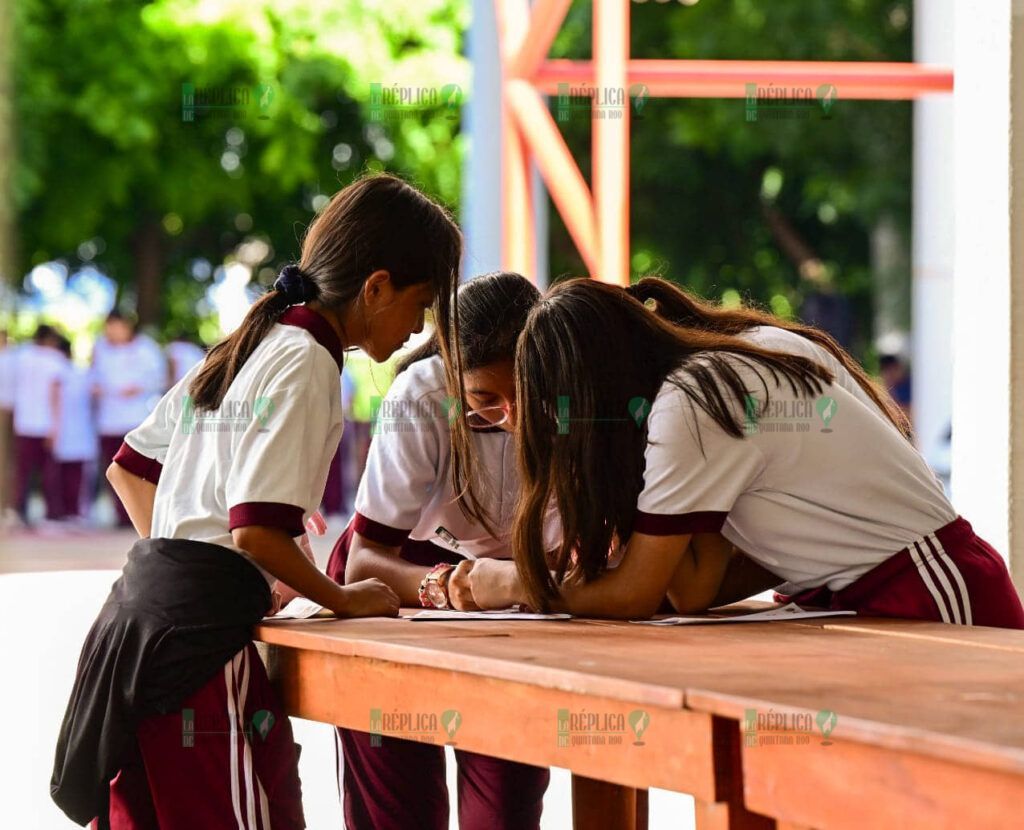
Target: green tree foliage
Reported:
[(705, 181), (104, 152)]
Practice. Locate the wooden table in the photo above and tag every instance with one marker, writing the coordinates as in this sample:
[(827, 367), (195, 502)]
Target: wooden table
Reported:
[(928, 729)]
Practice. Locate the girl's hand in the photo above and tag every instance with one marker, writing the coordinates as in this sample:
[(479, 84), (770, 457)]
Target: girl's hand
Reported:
[(460, 592), (495, 583), (368, 598)]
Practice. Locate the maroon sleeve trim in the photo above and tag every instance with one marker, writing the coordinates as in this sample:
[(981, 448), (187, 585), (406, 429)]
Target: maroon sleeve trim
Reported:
[(659, 524), (380, 533), (286, 517), (138, 464)]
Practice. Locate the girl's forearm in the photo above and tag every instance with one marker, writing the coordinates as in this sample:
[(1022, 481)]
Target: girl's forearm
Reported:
[(136, 494), (367, 560), (609, 596), (276, 552)]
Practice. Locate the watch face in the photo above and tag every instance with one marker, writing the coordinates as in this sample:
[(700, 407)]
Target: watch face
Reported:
[(435, 593)]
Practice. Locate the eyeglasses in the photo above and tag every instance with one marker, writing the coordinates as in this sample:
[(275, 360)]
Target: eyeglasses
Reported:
[(488, 416)]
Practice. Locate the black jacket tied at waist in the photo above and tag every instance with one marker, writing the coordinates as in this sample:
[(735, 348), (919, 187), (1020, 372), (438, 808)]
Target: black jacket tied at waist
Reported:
[(179, 611)]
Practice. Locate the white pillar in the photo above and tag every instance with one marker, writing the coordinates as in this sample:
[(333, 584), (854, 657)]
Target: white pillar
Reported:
[(481, 188), (988, 419), (934, 209)]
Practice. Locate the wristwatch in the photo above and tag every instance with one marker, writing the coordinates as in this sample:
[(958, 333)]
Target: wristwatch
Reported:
[(434, 587)]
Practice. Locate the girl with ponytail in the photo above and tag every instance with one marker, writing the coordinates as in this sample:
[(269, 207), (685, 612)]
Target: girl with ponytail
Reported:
[(219, 482), (670, 438)]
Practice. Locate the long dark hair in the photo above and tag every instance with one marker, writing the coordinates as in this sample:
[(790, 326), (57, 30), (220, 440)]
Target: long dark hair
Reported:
[(492, 312), (685, 309), (378, 222), (588, 353)]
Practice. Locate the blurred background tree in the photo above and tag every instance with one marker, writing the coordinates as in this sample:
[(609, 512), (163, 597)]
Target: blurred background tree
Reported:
[(792, 213), (776, 210), (109, 173)]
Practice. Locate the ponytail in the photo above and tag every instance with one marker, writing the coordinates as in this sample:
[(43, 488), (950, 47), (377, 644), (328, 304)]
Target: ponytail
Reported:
[(672, 303), (224, 360)]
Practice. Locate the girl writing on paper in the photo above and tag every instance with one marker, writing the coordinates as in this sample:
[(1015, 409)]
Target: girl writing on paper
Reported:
[(440, 488), (677, 435)]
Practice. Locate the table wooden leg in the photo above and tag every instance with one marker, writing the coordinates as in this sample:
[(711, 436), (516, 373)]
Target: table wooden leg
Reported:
[(727, 811), (600, 804)]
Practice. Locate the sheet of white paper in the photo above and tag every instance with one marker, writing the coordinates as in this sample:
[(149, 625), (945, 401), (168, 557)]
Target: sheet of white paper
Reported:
[(299, 608), (509, 614), (792, 611)]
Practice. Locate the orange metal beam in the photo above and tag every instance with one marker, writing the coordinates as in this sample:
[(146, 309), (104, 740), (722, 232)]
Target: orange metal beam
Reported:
[(546, 18), (610, 160), (518, 242), (729, 79), (599, 224), (564, 181)]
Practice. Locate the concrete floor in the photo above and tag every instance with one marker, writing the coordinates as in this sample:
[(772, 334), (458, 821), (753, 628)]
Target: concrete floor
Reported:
[(52, 586)]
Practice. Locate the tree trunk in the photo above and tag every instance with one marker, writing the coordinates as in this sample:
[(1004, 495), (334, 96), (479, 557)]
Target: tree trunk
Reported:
[(147, 247)]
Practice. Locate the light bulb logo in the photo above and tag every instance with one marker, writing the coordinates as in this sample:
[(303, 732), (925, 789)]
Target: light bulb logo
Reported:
[(451, 720), (826, 723), (639, 93), (826, 408), (263, 408), (639, 720), (750, 413), (264, 95), (452, 408), (639, 408), (263, 722), (827, 97), (451, 94)]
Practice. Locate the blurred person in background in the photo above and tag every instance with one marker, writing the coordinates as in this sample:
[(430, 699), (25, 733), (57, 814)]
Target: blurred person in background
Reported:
[(182, 354), (896, 378), (7, 363), (129, 374), (74, 445), (38, 371), (334, 502)]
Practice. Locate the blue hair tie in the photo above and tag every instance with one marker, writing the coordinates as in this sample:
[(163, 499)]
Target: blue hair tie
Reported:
[(295, 284)]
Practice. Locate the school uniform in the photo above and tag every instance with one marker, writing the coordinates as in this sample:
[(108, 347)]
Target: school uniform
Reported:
[(406, 499), (117, 368), (76, 437), (38, 371), (260, 459), (825, 494), (7, 369), (334, 492)]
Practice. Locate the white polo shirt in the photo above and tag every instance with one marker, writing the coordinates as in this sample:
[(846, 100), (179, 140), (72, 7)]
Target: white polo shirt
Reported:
[(76, 432), (783, 340), (8, 366), (115, 369), (406, 490), (262, 458), (819, 490), (38, 370)]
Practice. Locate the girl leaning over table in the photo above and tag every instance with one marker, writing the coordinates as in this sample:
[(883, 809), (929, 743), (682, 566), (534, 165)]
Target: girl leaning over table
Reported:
[(172, 721), (720, 453), (440, 488)]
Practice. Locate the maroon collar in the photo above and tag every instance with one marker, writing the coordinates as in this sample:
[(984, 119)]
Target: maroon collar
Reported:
[(323, 333)]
